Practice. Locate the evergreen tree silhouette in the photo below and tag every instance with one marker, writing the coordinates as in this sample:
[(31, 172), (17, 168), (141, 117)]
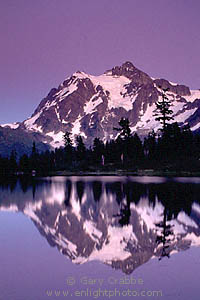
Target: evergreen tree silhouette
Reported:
[(163, 112), (34, 158), (98, 150), (164, 237), (123, 140), (68, 147), (124, 130), (80, 148), (13, 162), (24, 164)]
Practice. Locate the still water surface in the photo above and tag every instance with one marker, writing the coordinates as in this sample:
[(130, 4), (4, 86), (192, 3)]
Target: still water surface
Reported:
[(100, 238)]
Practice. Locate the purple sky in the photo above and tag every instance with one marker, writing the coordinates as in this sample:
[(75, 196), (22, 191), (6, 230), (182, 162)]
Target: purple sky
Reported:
[(45, 41)]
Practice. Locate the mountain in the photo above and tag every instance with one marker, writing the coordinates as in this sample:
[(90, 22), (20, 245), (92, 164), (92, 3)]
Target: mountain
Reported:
[(20, 140), (82, 217), (91, 106)]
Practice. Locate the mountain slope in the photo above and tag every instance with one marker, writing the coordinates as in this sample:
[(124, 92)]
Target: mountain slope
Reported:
[(20, 140)]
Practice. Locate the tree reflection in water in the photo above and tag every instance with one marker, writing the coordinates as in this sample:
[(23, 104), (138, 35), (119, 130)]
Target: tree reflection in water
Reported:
[(120, 221)]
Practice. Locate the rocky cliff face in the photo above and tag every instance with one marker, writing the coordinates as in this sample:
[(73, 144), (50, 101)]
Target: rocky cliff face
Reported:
[(91, 106)]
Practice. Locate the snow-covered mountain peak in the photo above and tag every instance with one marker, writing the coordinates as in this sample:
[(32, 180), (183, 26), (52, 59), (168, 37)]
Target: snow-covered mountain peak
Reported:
[(91, 106)]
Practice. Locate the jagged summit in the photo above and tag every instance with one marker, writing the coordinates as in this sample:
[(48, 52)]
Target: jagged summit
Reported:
[(128, 70), (91, 106), (127, 66)]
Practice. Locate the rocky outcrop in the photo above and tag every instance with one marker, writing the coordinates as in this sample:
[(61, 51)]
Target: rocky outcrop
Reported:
[(180, 90)]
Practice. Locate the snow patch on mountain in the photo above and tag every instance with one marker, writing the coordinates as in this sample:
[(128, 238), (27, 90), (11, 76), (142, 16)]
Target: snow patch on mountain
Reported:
[(11, 125), (30, 211), (195, 94), (172, 83), (66, 244), (177, 106), (183, 116), (183, 218), (149, 215), (65, 122), (195, 127), (91, 105), (196, 207), (114, 85), (76, 207), (61, 95), (114, 248), (58, 139), (146, 120), (90, 228), (30, 123), (57, 114), (195, 240), (57, 195), (76, 130), (76, 126), (12, 208)]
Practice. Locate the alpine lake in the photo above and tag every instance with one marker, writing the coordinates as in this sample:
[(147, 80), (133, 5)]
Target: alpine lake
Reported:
[(100, 237)]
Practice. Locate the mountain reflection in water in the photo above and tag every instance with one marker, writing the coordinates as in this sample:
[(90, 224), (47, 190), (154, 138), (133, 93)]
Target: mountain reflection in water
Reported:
[(121, 221)]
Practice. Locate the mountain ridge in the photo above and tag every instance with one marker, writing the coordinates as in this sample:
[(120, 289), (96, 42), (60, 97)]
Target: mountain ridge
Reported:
[(91, 106)]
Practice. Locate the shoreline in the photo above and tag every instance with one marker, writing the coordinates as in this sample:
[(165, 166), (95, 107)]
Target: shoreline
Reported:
[(119, 172), (127, 173)]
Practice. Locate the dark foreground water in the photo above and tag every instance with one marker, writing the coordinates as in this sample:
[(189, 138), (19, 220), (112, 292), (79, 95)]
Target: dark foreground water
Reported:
[(100, 238)]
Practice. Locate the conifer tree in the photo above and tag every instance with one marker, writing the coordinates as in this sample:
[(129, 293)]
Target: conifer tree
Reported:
[(13, 162), (123, 139), (98, 150), (67, 140), (24, 163), (165, 236), (124, 130), (163, 112), (34, 158), (80, 148), (68, 146), (150, 145), (135, 149)]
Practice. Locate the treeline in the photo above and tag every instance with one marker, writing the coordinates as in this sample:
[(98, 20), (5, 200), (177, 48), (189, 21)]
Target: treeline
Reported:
[(173, 149)]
